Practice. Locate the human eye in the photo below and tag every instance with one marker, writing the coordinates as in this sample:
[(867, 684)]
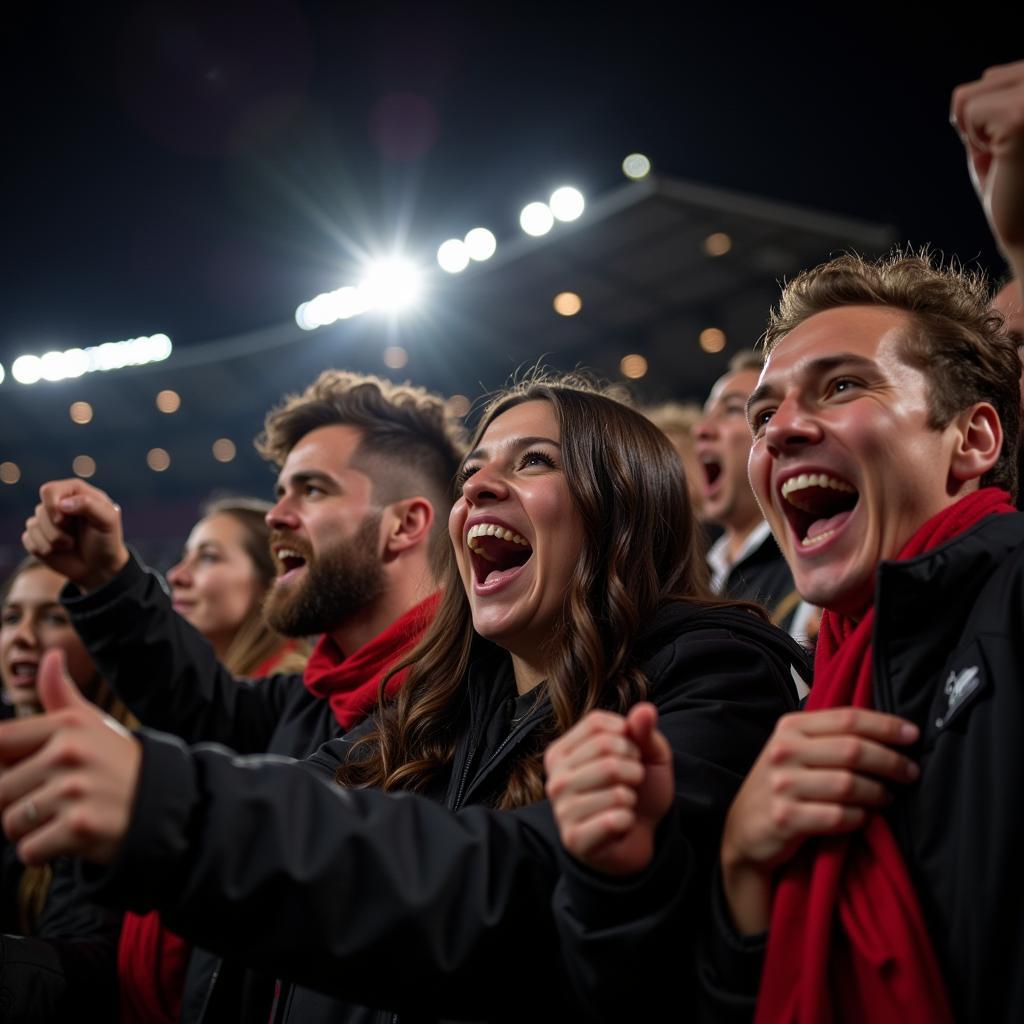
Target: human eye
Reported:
[(9, 617), (842, 385), (758, 418), (56, 617), (533, 457), (463, 475)]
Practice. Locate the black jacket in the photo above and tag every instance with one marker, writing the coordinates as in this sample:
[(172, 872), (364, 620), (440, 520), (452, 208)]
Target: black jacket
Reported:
[(764, 577), (67, 968), (436, 906), (169, 676), (949, 656)]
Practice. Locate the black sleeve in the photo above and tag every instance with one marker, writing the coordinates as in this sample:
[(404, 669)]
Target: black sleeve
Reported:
[(165, 671), (67, 970), (393, 900), (726, 695), (377, 898)]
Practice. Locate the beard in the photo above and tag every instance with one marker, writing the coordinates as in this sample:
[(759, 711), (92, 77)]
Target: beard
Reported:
[(340, 581)]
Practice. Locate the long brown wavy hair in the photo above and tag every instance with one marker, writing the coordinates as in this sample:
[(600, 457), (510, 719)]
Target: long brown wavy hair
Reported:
[(640, 550)]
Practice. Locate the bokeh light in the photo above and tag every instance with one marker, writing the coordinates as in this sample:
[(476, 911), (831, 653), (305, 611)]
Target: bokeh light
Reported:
[(712, 339), (536, 219), (84, 465), (633, 366), (567, 203), (453, 256), (224, 449), (459, 405), (717, 244), (80, 412), (10, 473), (395, 357), (480, 244), (168, 401), (636, 166), (157, 459), (567, 303)]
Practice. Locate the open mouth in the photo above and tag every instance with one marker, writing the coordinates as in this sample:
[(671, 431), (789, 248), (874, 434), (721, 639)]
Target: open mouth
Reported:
[(817, 505), (22, 673), (496, 552), (712, 470), (288, 560)]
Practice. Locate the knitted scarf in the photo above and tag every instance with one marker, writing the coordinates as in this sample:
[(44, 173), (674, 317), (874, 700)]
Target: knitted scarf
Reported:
[(848, 941), (350, 683)]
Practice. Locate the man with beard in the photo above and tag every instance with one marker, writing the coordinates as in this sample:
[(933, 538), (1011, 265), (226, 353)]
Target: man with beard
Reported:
[(363, 495)]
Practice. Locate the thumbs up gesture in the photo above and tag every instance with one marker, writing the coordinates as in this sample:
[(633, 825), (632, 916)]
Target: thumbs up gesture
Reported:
[(69, 775)]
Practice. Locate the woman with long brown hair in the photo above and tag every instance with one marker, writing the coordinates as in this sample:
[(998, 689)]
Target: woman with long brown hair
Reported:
[(425, 882)]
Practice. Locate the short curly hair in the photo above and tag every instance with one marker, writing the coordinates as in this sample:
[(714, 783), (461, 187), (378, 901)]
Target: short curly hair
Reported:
[(411, 442), (954, 339)]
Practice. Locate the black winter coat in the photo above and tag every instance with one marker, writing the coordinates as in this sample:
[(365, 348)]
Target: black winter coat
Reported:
[(170, 678), (949, 656), (437, 906)]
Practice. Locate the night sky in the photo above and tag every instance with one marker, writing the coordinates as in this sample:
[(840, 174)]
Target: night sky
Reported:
[(200, 170)]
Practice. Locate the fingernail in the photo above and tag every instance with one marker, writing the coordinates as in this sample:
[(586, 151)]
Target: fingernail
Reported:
[(908, 731), (68, 504)]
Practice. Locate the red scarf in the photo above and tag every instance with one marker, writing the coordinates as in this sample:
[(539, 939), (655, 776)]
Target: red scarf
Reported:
[(151, 964), (351, 683), (848, 941)]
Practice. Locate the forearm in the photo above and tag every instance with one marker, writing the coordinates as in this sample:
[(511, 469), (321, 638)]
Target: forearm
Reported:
[(164, 671), (263, 861)]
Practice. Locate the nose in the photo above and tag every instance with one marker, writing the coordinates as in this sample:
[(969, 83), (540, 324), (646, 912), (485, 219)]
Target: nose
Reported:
[(178, 575), (704, 428), (791, 427), (25, 633), (486, 485), (282, 516)]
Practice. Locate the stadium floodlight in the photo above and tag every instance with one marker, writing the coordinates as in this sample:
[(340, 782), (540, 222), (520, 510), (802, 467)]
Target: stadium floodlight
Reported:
[(390, 285), (453, 255), (111, 355), (536, 219), (480, 244), (636, 166), (2, 374), (567, 203)]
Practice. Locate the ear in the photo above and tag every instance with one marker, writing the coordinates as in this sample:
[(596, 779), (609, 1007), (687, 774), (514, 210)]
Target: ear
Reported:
[(406, 525), (979, 443)]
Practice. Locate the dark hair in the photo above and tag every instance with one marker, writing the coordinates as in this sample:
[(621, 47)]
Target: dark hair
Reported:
[(254, 640), (411, 442), (954, 339), (639, 551)]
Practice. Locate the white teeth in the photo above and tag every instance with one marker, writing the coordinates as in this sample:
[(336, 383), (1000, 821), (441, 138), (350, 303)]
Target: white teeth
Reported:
[(283, 553), (23, 670), (491, 530), (804, 480), (810, 542)]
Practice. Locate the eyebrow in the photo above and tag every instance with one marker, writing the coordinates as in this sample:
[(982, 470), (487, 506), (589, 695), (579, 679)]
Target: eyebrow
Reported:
[(305, 477), (518, 443), (815, 368)]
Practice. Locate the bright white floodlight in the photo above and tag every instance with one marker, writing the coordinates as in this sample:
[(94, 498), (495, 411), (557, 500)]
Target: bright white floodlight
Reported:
[(480, 244), (2, 374), (453, 256), (636, 166), (536, 219), (27, 369), (391, 285), (567, 203)]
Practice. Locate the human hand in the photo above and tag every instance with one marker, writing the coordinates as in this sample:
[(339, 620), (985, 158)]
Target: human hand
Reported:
[(989, 116), (69, 775), (820, 773), (610, 783), (76, 531)]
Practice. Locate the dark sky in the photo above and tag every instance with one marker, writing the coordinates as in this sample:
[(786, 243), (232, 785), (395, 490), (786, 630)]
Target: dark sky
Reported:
[(200, 170)]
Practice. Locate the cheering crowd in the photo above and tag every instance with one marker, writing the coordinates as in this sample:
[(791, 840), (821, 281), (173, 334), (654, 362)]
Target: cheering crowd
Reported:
[(482, 728)]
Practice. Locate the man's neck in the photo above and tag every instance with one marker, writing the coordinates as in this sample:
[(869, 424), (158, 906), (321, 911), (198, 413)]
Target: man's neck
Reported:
[(737, 536), (359, 629)]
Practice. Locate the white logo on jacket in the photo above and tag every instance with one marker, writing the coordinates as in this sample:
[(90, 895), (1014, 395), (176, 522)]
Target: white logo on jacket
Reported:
[(959, 686)]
